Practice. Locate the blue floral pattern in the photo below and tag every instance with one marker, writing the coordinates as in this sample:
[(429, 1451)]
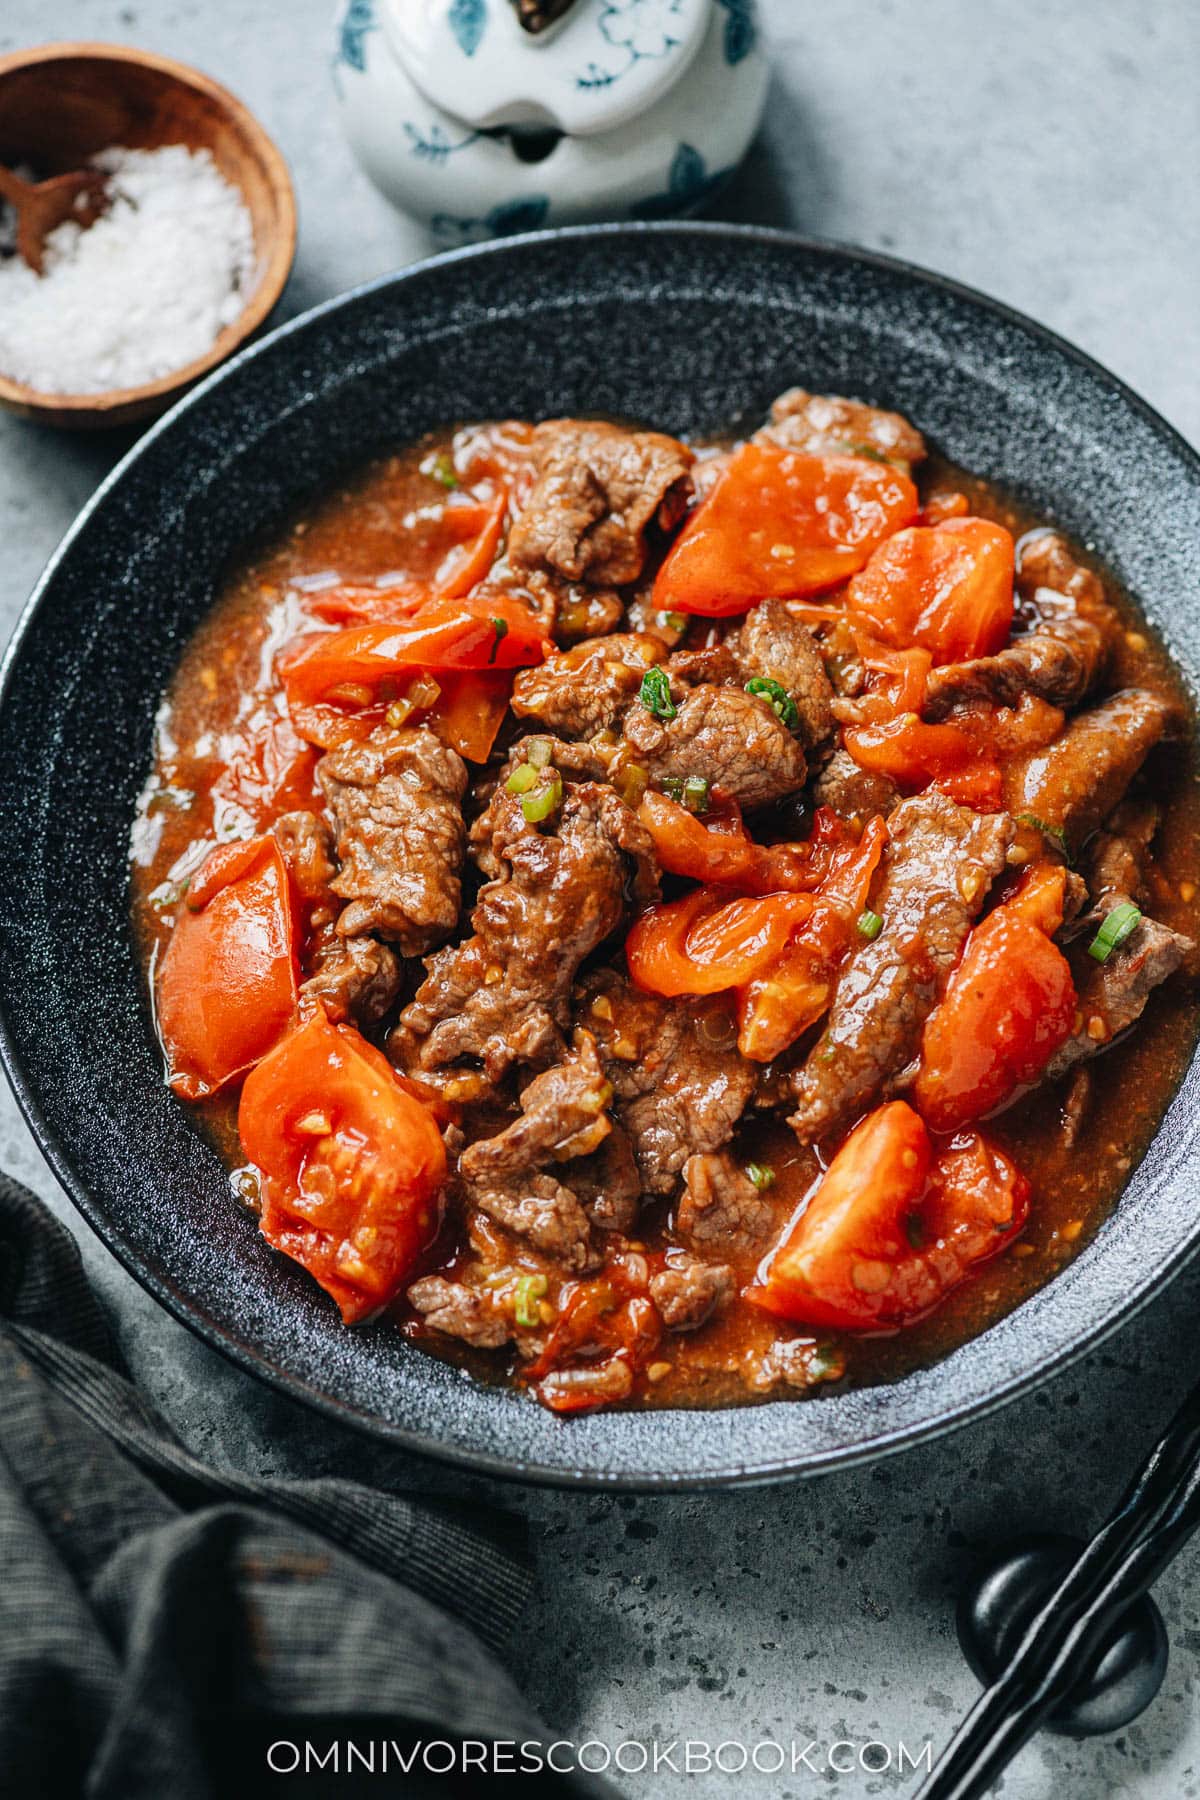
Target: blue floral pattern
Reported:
[(357, 22), (502, 221), (642, 29), (434, 144), (741, 30), (468, 21), (689, 185)]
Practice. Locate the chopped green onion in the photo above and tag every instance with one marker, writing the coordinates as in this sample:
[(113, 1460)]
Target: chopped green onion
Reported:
[(761, 1174), (544, 799), (777, 697), (399, 712), (530, 1290), (869, 924), (673, 621), (655, 694), (539, 752), (523, 777), (500, 627), (631, 782), (1118, 925), (672, 787), (695, 794), (827, 1363), (440, 468)]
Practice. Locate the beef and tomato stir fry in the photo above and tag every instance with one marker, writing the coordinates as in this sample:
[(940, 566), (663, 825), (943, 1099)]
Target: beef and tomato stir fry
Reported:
[(665, 923)]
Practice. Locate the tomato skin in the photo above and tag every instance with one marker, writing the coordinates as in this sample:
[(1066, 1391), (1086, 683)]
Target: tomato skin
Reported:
[(469, 711), (226, 988), (707, 942), (786, 998), (947, 588), (721, 852), (470, 561), (364, 661), (911, 751), (357, 1203), (828, 513), (890, 1229), (1008, 1006), (355, 605), (272, 771)]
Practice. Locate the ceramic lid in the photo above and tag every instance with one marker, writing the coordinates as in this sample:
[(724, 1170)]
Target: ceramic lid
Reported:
[(602, 63)]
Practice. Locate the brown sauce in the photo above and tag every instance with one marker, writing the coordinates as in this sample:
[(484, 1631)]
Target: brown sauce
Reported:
[(383, 521)]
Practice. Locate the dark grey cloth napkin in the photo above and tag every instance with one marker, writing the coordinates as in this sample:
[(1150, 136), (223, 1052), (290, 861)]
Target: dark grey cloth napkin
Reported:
[(163, 1623)]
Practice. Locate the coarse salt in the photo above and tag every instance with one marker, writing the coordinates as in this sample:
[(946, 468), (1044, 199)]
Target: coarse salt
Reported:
[(147, 290)]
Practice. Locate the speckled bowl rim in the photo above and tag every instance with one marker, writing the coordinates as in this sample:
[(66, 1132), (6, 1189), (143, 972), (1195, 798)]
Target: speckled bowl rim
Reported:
[(1051, 1349)]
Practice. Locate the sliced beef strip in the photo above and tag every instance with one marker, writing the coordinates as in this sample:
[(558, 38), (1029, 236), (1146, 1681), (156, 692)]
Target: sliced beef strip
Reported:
[(940, 862), (460, 1312), (595, 763), (396, 801), (688, 1292), (1113, 994), (770, 642), (680, 1084), (502, 997), (544, 1212), (824, 424), (721, 1208), (563, 1115), (583, 690), (797, 1363), (1063, 654), (1046, 561), (1118, 855), (598, 488), (356, 978), (1073, 784), (568, 611), (307, 845), (730, 738), (608, 1185), (855, 794)]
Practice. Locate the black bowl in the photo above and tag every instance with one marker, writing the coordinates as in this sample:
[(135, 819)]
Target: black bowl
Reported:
[(689, 327)]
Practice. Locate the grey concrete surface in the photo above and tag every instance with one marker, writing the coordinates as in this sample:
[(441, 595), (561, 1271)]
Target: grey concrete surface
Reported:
[(1048, 154)]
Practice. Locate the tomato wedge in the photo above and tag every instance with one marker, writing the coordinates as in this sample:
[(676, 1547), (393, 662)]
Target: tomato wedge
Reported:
[(889, 1231), (366, 663), (947, 588), (469, 711), (469, 562), (351, 1163), (707, 943), (226, 988), (915, 754), (719, 850), (780, 1003), (783, 524), (1008, 1006), (355, 605)]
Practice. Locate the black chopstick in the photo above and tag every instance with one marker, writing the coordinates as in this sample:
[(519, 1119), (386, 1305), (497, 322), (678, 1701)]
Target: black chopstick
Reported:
[(1157, 1515)]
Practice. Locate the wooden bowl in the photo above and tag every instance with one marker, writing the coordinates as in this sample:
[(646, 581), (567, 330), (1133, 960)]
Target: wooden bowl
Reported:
[(61, 103)]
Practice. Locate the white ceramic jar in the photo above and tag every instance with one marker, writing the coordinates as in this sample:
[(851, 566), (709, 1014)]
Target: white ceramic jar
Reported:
[(478, 127)]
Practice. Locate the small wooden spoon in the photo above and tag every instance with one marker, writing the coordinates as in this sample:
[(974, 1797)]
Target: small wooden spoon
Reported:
[(41, 206)]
